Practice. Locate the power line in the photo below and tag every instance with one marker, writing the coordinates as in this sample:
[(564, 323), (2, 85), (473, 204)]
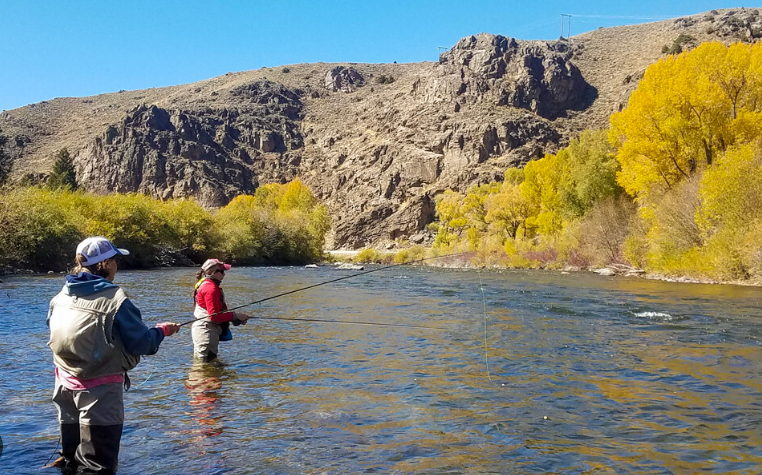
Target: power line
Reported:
[(568, 16), (546, 21), (624, 17)]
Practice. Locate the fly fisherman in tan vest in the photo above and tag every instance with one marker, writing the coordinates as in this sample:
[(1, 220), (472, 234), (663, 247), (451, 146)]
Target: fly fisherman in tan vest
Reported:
[(97, 335)]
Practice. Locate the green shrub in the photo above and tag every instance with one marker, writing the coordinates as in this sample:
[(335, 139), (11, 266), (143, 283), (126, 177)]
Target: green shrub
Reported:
[(677, 45), (368, 256), (40, 228), (411, 254), (6, 163), (37, 230)]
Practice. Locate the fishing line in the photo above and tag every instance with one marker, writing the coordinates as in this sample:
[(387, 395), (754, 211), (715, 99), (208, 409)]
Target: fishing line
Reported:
[(484, 304), (55, 451), (345, 321), (146, 380), (325, 283)]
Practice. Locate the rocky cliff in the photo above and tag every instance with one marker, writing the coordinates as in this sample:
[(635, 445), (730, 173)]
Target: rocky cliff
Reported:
[(377, 143)]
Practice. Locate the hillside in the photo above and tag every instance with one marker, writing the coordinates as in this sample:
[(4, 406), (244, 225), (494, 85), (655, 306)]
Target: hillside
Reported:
[(376, 142)]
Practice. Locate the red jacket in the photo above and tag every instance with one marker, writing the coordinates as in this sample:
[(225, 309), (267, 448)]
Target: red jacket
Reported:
[(210, 297)]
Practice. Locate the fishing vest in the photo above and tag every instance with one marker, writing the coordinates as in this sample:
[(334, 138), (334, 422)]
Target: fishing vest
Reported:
[(81, 329), (200, 313)]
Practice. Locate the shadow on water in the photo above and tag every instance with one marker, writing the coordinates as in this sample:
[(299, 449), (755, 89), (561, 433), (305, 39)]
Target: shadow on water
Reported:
[(586, 375)]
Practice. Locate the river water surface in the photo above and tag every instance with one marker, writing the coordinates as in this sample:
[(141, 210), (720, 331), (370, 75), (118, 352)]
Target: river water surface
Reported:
[(580, 374)]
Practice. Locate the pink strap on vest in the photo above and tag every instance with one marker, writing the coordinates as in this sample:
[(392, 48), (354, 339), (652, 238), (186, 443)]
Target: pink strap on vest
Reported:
[(78, 384)]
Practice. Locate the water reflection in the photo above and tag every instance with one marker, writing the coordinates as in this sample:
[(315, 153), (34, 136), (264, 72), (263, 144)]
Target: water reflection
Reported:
[(204, 386)]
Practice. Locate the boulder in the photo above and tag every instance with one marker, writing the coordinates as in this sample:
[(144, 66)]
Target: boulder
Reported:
[(343, 79), (347, 266), (605, 271)]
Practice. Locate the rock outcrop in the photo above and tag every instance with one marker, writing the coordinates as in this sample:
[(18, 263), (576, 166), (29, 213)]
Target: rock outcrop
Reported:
[(210, 154), (534, 75), (343, 79)]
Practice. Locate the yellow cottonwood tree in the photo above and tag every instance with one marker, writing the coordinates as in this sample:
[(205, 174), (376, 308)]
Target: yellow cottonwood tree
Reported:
[(731, 192), (296, 195), (474, 204), (280, 222), (451, 218), (687, 110), (507, 211), (540, 190), (730, 215)]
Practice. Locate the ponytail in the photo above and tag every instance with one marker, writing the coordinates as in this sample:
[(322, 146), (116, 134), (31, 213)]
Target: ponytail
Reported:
[(200, 278), (95, 269)]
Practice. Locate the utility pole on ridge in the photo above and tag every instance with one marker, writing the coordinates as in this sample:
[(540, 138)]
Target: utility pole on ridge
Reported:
[(568, 34)]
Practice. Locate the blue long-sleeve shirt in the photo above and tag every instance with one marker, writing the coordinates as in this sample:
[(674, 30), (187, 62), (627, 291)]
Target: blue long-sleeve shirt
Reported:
[(137, 338)]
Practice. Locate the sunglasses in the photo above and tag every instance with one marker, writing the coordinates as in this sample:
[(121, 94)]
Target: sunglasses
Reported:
[(221, 271)]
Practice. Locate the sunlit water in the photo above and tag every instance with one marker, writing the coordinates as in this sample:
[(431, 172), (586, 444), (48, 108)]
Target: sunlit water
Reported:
[(582, 374)]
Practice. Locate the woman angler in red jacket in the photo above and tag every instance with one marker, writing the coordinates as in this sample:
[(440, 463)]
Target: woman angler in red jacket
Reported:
[(213, 321)]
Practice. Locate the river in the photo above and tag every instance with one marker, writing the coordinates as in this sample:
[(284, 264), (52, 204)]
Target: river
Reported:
[(542, 372)]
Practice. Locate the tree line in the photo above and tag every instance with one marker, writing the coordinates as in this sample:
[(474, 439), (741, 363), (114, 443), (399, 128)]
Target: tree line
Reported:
[(40, 227)]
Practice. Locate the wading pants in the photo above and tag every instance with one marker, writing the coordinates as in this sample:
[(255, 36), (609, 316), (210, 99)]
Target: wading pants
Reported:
[(91, 426), (206, 339)]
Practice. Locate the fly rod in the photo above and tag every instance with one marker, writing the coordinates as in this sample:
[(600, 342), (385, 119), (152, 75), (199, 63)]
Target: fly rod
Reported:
[(325, 283)]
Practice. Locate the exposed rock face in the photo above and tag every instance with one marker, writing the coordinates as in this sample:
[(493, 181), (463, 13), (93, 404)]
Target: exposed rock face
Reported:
[(399, 222), (343, 79), (209, 154), (537, 76), (378, 190)]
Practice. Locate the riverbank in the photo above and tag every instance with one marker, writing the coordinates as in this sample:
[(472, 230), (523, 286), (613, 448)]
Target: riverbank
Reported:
[(452, 262), (613, 270)]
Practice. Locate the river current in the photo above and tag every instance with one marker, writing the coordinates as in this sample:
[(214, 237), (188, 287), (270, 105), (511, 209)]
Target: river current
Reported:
[(541, 373)]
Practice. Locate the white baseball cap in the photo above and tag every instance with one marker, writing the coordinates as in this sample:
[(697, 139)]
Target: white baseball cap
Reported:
[(97, 249)]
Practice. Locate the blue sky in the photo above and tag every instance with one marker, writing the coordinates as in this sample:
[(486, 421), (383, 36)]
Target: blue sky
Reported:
[(56, 48)]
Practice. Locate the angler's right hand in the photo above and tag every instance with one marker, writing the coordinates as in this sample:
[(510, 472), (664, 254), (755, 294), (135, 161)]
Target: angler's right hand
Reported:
[(241, 317), (168, 328)]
